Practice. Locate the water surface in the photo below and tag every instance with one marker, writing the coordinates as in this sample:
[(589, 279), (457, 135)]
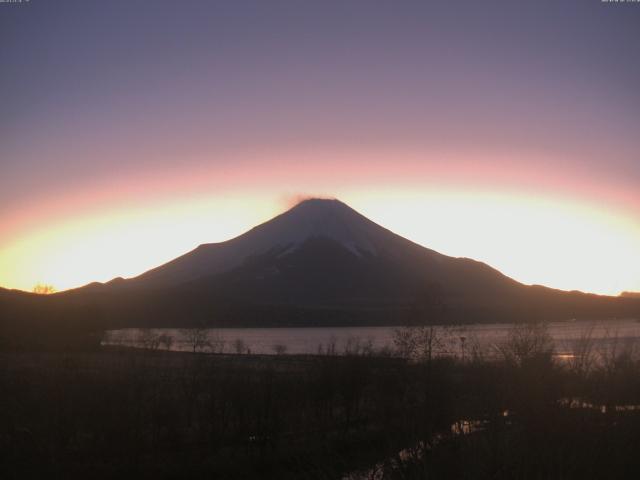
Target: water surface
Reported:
[(457, 340)]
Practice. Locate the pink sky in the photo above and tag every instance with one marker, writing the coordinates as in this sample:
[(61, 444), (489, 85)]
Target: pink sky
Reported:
[(124, 123)]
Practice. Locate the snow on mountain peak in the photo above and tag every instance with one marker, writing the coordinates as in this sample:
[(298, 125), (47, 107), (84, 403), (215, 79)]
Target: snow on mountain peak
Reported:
[(310, 219), (326, 218)]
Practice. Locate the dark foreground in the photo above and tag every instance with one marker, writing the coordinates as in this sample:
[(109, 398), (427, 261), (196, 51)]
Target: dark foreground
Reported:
[(161, 415)]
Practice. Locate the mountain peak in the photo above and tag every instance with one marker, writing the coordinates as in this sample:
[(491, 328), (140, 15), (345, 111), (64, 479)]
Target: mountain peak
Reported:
[(327, 218), (320, 207), (313, 218), (319, 202)]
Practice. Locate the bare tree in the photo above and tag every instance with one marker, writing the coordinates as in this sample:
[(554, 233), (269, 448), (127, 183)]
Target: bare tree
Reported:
[(615, 352), (331, 345), (430, 340), (420, 343), (405, 341), (280, 348), (166, 341), (149, 339), (352, 347), (216, 342), (476, 350), (527, 342), (422, 340), (196, 338), (239, 346), (582, 359)]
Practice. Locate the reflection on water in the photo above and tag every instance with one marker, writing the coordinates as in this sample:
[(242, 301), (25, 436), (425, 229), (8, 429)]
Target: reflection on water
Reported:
[(569, 338), (376, 472)]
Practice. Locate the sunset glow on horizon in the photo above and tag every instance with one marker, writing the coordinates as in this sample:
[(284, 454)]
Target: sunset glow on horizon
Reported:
[(128, 143), (532, 238)]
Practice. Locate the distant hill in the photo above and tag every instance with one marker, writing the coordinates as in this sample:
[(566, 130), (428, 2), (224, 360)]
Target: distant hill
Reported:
[(320, 263), (630, 294), (29, 321)]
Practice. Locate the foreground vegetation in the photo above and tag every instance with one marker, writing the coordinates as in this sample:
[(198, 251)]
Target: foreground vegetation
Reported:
[(161, 414)]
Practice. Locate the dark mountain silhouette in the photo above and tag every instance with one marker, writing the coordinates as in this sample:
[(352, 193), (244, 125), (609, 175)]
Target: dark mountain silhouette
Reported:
[(321, 250), (630, 294), (320, 263)]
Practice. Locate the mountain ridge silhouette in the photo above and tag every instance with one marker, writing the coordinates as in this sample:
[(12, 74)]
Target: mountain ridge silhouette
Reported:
[(319, 263)]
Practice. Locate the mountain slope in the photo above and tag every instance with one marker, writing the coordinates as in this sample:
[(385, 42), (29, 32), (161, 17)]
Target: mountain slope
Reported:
[(323, 263), (314, 229), (315, 218)]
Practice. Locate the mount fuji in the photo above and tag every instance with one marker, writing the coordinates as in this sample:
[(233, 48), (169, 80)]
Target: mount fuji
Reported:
[(322, 237), (323, 263)]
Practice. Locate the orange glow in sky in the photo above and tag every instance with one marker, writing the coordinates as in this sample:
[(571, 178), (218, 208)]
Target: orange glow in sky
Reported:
[(535, 237), (504, 132)]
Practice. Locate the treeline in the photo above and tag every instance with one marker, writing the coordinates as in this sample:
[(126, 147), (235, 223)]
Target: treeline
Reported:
[(196, 415)]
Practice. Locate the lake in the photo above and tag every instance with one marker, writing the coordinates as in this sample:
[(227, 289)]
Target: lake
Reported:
[(456, 340)]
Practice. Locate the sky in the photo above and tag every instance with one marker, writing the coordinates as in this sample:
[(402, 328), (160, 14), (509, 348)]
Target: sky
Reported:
[(133, 131)]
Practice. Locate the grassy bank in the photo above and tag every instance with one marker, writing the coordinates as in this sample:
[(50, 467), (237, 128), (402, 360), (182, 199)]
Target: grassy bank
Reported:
[(176, 415)]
